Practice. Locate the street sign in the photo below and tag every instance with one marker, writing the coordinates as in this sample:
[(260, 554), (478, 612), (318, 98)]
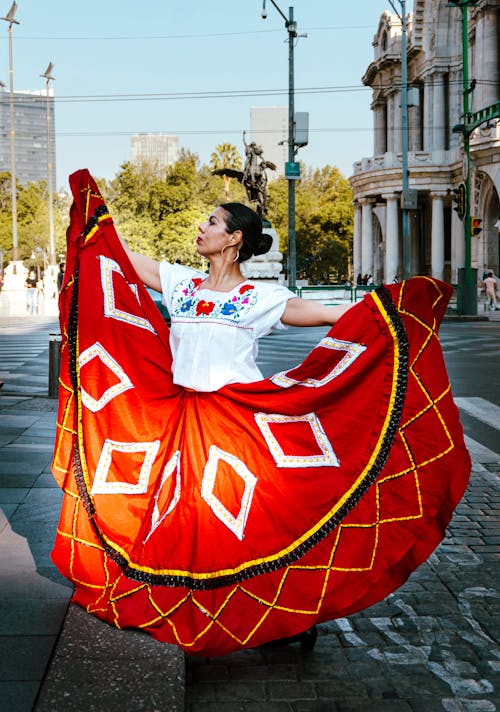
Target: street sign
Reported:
[(292, 170)]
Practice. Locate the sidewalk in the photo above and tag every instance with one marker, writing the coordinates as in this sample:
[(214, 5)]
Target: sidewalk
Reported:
[(430, 646), (55, 657)]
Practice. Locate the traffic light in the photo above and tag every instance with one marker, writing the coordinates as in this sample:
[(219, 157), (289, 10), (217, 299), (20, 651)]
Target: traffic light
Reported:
[(476, 225), (459, 198)]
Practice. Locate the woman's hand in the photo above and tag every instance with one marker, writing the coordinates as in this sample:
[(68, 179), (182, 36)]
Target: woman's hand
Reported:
[(304, 312)]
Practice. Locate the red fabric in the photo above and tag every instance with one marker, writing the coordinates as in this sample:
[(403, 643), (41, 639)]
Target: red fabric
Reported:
[(260, 543)]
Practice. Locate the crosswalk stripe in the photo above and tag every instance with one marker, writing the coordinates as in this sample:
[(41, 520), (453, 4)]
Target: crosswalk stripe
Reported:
[(479, 453), (481, 409)]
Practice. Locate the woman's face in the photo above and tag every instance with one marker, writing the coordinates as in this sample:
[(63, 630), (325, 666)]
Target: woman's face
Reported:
[(213, 235)]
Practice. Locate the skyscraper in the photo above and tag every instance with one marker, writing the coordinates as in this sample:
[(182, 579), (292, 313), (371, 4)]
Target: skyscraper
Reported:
[(30, 127), (159, 151), (269, 126)]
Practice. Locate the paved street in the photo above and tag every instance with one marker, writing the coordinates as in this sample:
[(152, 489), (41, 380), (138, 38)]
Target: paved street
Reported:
[(431, 646)]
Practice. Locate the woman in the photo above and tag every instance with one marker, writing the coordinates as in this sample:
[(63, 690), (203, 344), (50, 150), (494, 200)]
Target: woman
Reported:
[(30, 285), (216, 509), (215, 308)]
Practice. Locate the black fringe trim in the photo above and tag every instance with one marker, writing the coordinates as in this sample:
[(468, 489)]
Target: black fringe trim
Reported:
[(93, 221), (195, 584)]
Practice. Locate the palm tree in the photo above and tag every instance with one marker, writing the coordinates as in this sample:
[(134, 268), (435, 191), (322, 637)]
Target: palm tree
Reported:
[(225, 156)]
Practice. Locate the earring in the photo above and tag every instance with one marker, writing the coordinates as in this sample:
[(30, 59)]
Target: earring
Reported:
[(237, 256)]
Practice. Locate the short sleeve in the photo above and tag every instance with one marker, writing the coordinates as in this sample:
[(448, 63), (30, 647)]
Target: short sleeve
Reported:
[(171, 275), (272, 304)]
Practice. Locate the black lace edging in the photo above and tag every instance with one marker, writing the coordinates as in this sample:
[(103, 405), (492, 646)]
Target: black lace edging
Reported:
[(196, 584), (93, 221)]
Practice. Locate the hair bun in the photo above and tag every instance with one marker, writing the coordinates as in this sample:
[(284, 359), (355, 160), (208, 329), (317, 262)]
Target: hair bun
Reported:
[(263, 245)]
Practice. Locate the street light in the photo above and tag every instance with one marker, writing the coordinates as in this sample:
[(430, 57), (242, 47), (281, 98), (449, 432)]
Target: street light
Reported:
[(52, 245), (407, 196), (15, 249), (291, 173)]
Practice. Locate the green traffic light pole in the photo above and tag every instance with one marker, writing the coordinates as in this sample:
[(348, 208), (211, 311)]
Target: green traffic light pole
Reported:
[(467, 292)]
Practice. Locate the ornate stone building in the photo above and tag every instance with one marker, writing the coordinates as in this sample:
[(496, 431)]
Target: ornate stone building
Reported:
[(435, 156)]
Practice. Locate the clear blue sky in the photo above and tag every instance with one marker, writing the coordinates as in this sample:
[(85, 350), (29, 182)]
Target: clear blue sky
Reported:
[(107, 53)]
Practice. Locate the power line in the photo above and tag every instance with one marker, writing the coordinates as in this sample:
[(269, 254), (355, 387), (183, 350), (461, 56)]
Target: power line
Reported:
[(128, 38), (20, 97)]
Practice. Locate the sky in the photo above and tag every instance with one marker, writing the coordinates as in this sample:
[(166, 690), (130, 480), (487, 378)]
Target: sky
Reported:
[(193, 68)]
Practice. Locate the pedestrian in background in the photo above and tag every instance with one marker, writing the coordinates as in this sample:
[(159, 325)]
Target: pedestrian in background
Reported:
[(31, 292), (60, 276), (490, 287)]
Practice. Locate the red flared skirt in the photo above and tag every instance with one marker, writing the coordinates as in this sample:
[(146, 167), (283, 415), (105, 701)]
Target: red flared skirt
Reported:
[(223, 520)]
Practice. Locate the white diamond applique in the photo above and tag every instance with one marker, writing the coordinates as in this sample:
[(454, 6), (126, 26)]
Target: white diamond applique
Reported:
[(124, 382), (325, 459), (235, 524), (352, 352), (101, 484), (108, 266), (171, 467)]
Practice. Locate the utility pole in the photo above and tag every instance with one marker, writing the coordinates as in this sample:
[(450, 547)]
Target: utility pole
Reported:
[(292, 172), (408, 197), (47, 75), (15, 246)]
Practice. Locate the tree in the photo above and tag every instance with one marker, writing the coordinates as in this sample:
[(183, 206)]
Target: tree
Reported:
[(225, 156), (177, 237), (324, 222)]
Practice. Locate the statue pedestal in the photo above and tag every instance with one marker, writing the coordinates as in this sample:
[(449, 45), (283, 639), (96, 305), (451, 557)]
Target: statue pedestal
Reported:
[(14, 277), (267, 266)]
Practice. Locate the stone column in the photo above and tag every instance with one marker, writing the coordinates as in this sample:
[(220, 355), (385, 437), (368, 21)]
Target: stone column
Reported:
[(437, 235), (391, 104), (379, 146), (367, 235), (427, 114), (391, 266), (356, 241), (455, 105), (490, 50), (398, 124), (457, 246), (438, 110)]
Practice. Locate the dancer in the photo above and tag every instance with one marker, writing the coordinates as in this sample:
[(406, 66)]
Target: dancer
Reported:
[(216, 509)]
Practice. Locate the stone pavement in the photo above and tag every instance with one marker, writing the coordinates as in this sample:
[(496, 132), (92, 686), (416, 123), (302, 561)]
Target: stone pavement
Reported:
[(432, 645), (54, 657)]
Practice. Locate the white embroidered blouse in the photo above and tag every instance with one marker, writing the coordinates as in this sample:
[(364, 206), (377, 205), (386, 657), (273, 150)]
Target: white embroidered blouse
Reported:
[(213, 335)]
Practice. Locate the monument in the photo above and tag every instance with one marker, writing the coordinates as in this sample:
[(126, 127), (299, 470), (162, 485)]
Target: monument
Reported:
[(253, 177)]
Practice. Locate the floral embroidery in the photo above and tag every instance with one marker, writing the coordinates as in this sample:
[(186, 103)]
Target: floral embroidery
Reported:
[(187, 302), (204, 307), (228, 308), (186, 306)]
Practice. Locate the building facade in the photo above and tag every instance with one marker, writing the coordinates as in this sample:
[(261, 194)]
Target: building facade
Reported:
[(158, 151), (34, 132), (436, 153), (269, 126)]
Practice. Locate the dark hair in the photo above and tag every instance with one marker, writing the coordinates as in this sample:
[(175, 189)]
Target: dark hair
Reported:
[(241, 217)]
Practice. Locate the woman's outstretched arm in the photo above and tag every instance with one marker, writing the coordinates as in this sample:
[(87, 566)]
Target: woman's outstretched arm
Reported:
[(303, 312), (147, 268)]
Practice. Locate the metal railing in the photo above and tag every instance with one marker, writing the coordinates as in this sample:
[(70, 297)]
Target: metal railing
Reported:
[(334, 293)]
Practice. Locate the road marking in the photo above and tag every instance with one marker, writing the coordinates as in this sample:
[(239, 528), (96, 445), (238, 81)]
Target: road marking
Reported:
[(481, 409)]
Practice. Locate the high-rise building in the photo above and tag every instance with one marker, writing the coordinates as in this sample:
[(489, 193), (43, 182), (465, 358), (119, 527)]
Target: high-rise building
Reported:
[(159, 151), (269, 126), (30, 142)]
